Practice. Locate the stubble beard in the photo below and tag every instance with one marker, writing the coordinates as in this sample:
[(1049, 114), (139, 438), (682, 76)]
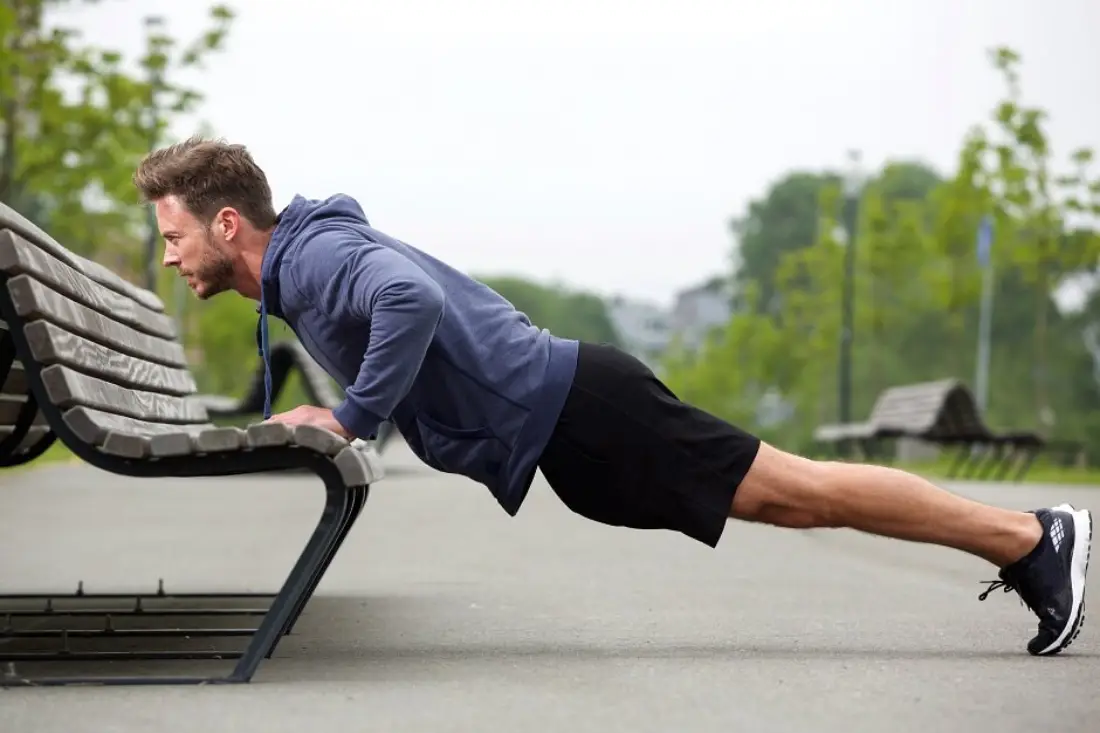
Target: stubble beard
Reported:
[(215, 272)]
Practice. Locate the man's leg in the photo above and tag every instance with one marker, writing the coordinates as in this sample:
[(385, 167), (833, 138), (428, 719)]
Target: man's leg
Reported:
[(1043, 555), (790, 491)]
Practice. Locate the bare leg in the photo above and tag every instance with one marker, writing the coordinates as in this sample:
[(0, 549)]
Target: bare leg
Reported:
[(790, 491)]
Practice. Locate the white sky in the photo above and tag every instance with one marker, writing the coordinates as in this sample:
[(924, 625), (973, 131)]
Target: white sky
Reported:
[(606, 143)]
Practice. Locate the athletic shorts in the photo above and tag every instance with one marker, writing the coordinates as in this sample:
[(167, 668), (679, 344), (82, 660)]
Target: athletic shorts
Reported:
[(627, 452)]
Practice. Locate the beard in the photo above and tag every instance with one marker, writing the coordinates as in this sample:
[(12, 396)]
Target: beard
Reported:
[(215, 272)]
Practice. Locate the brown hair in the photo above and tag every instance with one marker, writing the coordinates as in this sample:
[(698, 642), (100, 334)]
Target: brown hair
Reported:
[(207, 175)]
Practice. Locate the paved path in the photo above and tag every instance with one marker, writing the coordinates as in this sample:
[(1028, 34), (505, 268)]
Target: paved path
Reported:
[(443, 614)]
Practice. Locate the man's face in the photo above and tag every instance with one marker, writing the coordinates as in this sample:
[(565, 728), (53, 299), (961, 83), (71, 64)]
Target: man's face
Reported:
[(200, 253)]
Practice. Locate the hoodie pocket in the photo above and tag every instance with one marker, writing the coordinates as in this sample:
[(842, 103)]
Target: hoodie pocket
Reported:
[(476, 453)]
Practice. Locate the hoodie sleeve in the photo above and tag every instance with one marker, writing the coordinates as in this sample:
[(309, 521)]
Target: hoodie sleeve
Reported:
[(400, 304)]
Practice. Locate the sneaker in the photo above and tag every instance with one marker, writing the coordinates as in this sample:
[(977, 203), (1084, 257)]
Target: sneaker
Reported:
[(1051, 578)]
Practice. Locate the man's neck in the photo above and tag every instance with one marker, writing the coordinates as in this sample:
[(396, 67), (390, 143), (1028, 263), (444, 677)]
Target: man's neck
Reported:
[(250, 265)]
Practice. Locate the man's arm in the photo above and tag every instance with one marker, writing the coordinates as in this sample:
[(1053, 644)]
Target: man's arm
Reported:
[(403, 307)]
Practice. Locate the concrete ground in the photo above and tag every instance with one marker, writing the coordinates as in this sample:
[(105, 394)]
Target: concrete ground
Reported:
[(443, 614)]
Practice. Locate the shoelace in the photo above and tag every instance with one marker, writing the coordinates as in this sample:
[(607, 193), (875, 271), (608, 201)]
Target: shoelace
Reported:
[(994, 585), (1008, 588)]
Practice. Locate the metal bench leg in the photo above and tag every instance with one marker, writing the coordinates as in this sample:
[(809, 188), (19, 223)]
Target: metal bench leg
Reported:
[(1006, 464), (296, 589), (353, 509), (995, 452), (960, 457), (972, 466), (1025, 465)]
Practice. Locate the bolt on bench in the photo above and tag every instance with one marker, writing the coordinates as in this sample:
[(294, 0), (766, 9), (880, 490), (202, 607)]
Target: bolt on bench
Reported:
[(93, 361)]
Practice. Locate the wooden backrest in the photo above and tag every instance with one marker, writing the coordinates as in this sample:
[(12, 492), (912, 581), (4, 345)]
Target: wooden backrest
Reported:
[(938, 409), (107, 355)]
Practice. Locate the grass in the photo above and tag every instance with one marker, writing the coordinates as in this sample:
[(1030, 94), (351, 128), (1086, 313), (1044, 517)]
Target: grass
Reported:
[(56, 453), (1039, 473)]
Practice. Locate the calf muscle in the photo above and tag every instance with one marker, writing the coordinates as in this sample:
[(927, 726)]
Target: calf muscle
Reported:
[(786, 490)]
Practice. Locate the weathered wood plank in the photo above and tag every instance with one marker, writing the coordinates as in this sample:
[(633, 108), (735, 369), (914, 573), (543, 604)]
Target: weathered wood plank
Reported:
[(67, 388), (209, 440), (20, 257), (319, 439), (359, 467), (11, 406), (11, 219), (33, 299), (16, 381), (138, 439), (52, 344), (123, 436), (268, 434), (92, 425)]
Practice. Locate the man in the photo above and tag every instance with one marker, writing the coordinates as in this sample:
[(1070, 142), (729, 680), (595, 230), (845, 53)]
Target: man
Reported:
[(476, 390)]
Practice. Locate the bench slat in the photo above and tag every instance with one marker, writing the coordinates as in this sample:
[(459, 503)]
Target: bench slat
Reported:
[(92, 425), (16, 381), (52, 344), (33, 299), (20, 257), (11, 406), (67, 388), (11, 219), (359, 467), (129, 438)]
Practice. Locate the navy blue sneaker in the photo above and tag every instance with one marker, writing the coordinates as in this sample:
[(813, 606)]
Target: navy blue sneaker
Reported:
[(1051, 578)]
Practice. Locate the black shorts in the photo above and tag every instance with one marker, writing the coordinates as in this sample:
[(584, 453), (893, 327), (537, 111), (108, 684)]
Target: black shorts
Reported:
[(626, 452)]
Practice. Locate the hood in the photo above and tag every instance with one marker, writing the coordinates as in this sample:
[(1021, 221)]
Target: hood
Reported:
[(301, 217)]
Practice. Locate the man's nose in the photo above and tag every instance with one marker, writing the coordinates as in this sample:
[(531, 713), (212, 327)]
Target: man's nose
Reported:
[(171, 259)]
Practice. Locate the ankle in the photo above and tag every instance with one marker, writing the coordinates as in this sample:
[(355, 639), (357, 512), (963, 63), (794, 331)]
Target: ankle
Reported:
[(1022, 539)]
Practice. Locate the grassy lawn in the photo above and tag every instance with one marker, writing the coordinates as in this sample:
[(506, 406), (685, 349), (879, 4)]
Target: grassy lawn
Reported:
[(57, 453)]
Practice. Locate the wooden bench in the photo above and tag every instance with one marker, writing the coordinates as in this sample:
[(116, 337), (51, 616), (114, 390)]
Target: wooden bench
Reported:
[(286, 358), (942, 412), (94, 362)]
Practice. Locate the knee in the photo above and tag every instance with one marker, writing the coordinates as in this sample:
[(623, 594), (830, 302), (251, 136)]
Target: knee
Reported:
[(786, 490)]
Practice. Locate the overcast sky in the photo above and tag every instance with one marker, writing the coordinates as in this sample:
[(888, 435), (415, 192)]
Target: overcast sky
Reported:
[(606, 143)]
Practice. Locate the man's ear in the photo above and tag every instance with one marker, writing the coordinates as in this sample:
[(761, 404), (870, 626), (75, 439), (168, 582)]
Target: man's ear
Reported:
[(227, 222)]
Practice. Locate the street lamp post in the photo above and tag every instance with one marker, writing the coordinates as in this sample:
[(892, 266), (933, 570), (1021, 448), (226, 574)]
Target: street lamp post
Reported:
[(852, 186)]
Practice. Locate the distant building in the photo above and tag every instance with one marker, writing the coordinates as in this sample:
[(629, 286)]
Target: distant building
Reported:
[(647, 329), (642, 327), (699, 310)]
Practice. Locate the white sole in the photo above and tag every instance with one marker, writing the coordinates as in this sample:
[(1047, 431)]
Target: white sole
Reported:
[(1079, 565)]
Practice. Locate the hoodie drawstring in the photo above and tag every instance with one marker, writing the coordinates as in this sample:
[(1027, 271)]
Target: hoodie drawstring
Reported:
[(264, 354)]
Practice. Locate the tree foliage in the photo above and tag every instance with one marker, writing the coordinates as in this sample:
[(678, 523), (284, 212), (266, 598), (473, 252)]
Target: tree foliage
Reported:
[(562, 311), (917, 285), (76, 118)]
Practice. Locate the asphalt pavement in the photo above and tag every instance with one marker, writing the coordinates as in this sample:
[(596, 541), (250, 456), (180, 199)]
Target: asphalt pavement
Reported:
[(441, 613)]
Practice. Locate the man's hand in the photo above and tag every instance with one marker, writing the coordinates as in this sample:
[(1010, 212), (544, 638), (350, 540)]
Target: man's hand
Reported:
[(311, 415)]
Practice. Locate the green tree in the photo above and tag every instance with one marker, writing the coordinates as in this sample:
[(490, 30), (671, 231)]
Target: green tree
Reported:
[(1034, 208), (566, 313), (74, 122), (787, 217), (918, 285)]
